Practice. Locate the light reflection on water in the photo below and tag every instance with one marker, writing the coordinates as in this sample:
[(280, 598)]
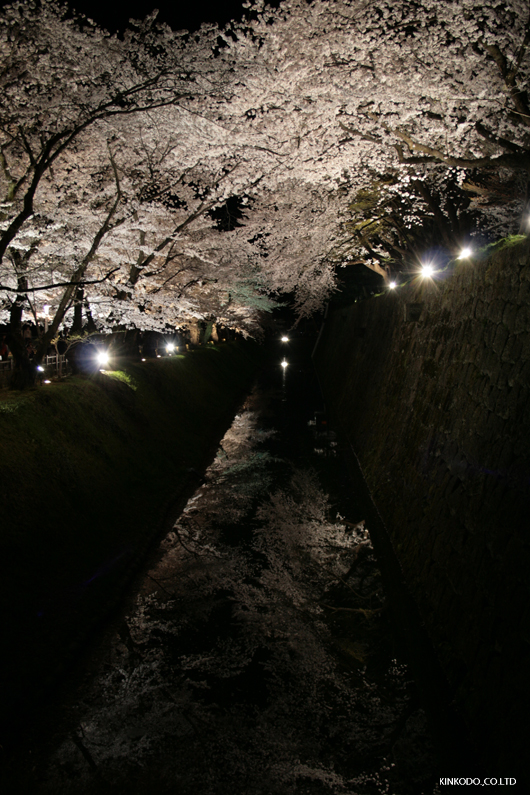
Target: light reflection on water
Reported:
[(255, 659)]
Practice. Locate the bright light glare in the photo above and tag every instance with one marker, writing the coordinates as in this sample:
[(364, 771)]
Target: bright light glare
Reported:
[(465, 253), (47, 381), (103, 357), (40, 368), (392, 285), (427, 271), (285, 339), (284, 364), (170, 347)]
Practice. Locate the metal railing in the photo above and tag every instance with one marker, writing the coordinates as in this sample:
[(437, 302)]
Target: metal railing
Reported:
[(57, 363), (53, 365)]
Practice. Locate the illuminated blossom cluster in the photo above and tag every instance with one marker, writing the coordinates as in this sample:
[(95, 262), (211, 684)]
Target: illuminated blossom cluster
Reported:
[(162, 178)]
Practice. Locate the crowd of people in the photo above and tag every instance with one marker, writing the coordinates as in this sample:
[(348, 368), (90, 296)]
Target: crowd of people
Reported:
[(30, 336)]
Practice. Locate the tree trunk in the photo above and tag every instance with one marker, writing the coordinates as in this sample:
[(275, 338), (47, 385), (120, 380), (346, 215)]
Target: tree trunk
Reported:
[(195, 332), (23, 375), (24, 372), (207, 333), (77, 325), (91, 325)]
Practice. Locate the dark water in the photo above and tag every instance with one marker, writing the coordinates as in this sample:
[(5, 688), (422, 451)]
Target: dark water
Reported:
[(257, 656)]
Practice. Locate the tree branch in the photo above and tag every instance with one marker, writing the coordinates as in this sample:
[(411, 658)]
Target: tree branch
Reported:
[(499, 141), (508, 160), (509, 76), (359, 134), (11, 182), (80, 283)]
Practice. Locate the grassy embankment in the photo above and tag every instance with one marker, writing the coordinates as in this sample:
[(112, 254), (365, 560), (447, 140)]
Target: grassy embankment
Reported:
[(89, 471)]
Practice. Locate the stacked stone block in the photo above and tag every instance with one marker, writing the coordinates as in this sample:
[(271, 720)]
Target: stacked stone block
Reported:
[(431, 382)]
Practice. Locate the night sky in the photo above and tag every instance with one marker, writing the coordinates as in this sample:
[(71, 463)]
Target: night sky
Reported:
[(177, 14)]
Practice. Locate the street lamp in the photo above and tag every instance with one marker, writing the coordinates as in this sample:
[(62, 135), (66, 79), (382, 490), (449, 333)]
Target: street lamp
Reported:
[(45, 314)]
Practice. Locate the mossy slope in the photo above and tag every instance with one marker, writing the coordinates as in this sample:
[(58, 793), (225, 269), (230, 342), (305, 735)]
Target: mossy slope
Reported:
[(88, 471)]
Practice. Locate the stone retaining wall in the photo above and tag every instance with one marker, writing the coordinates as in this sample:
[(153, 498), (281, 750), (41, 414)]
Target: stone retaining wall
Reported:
[(431, 382)]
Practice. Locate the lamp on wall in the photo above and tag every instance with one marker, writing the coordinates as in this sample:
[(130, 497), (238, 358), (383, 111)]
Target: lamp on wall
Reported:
[(427, 271)]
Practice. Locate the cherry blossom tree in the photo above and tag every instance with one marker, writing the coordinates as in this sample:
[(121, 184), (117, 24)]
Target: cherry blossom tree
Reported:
[(76, 167), (342, 133), (426, 101), (429, 98), (61, 80), (42, 52)]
